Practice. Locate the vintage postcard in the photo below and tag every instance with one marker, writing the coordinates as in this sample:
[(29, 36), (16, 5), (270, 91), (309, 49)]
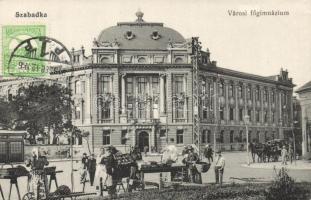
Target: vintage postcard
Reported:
[(139, 99)]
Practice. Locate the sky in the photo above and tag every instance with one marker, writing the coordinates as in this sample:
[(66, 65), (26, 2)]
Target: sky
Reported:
[(257, 45)]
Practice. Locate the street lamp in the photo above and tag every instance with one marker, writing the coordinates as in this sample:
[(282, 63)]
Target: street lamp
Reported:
[(246, 121)]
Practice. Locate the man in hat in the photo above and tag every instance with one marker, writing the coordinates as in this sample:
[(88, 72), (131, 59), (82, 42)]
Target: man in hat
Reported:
[(208, 153), (111, 165), (219, 168), (284, 155), (92, 168), (84, 161)]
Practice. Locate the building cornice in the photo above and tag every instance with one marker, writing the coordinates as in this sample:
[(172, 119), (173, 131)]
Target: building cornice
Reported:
[(243, 75)]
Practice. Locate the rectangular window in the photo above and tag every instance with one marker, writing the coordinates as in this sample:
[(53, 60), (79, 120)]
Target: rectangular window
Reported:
[(77, 112), (249, 113), (163, 133), (240, 91), (249, 136), (155, 86), (106, 137), (179, 110), (240, 136), (77, 87), (265, 94), (231, 114), (273, 96), (179, 84), (105, 110), (104, 84), (257, 94), (231, 136), (221, 89), (205, 113), (123, 137), (180, 136), (82, 86), (142, 85), (208, 136), (141, 110), (249, 93), (241, 114), (257, 116), (273, 116), (221, 113), (265, 116), (258, 136), (221, 136), (231, 90), (203, 87), (273, 135), (204, 137), (129, 85)]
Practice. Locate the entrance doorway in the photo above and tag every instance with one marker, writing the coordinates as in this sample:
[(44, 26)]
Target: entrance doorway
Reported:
[(143, 140)]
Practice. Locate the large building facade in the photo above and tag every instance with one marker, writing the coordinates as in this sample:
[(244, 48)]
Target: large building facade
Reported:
[(305, 102), (136, 89)]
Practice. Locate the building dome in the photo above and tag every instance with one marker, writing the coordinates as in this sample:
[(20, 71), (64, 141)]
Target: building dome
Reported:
[(139, 35)]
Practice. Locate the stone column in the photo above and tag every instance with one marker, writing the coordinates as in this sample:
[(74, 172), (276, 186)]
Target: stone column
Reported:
[(123, 117), (254, 104), (226, 87), (245, 100), (162, 94), (269, 106), (261, 115), (236, 98), (185, 100), (162, 98)]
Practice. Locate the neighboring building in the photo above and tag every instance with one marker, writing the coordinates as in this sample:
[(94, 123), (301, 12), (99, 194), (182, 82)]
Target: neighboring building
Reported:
[(137, 89), (305, 102)]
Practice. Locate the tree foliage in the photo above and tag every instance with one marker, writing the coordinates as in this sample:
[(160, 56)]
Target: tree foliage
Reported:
[(39, 109)]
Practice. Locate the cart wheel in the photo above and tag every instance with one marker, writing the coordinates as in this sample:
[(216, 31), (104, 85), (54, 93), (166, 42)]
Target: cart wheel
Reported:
[(29, 196)]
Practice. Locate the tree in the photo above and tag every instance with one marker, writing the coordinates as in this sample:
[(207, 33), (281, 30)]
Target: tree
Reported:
[(41, 107)]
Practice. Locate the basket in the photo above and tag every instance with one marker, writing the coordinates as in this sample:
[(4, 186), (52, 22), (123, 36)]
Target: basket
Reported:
[(202, 167)]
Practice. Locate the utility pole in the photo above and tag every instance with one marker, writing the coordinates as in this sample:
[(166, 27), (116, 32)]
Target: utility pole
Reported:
[(195, 58)]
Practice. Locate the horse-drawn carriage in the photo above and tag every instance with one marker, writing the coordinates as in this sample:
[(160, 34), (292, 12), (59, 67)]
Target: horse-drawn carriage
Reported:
[(269, 151)]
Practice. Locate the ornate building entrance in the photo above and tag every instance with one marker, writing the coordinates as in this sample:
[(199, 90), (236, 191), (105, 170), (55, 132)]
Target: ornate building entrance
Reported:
[(143, 140)]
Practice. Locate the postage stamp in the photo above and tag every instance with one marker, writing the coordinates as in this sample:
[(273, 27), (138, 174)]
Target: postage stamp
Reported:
[(12, 37)]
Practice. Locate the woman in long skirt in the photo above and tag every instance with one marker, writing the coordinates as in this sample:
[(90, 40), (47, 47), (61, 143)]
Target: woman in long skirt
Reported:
[(101, 172)]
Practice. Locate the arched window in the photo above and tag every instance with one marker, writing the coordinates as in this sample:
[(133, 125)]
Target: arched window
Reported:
[(77, 87), (141, 60), (104, 60), (179, 60)]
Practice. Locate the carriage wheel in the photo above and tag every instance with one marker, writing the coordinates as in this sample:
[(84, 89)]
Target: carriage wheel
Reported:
[(29, 196)]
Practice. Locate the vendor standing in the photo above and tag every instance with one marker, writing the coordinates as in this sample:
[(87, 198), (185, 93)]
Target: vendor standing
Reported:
[(190, 159), (100, 172), (111, 166), (38, 179), (219, 168)]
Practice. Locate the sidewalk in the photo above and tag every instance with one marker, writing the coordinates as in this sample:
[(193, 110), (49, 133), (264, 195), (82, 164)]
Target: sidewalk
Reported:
[(299, 165)]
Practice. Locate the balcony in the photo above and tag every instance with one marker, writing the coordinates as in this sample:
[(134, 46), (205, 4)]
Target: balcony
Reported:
[(179, 120), (105, 121)]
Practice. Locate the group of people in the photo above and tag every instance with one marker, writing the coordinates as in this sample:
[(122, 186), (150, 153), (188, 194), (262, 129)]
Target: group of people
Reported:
[(100, 170), (104, 170)]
